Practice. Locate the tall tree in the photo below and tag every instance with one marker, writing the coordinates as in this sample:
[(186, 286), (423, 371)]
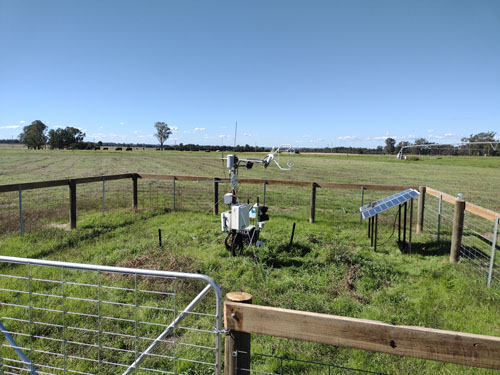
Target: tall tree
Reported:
[(67, 137), (33, 136), (389, 145), (163, 131)]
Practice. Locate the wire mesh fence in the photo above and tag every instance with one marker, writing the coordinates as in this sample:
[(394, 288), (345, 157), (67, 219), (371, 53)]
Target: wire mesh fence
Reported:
[(480, 247), (60, 318), (438, 219)]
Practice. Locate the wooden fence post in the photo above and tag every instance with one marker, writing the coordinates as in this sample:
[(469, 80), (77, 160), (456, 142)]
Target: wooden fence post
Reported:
[(421, 207), (134, 191), (216, 196), (72, 203), (237, 347), (173, 194), (458, 228), (312, 214)]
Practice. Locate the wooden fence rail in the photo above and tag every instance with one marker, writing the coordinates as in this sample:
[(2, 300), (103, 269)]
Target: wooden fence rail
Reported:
[(71, 183), (485, 213), (418, 342)]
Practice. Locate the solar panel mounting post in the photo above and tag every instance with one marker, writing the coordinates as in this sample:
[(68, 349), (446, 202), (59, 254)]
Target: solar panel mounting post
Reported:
[(421, 207), (399, 223), (404, 222), (369, 227), (375, 235), (411, 225)]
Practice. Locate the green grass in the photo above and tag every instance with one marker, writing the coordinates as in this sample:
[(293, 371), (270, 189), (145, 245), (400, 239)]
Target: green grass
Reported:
[(330, 268), (476, 177)]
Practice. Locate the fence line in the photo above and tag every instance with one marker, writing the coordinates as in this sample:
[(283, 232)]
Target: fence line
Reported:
[(74, 204), (418, 342), (210, 195)]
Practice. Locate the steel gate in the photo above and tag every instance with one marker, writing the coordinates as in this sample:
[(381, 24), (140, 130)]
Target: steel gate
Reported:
[(71, 318)]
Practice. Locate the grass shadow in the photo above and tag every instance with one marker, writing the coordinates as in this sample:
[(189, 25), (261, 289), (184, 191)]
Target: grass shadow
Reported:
[(285, 255), (426, 248)]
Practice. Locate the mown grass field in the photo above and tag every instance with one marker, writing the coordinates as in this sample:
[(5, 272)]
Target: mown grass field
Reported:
[(330, 268)]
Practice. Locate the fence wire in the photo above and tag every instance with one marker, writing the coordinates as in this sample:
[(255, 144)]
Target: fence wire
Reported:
[(275, 365), (78, 320), (438, 219), (477, 247)]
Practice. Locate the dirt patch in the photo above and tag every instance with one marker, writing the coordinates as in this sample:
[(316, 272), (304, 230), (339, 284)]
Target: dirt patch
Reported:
[(59, 226), (165, 261)]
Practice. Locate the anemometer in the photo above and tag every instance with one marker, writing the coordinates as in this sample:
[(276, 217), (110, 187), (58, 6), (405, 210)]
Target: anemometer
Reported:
[(236, 221)]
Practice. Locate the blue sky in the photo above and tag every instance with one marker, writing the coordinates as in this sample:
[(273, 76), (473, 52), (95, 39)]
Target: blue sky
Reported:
[(309, 73)]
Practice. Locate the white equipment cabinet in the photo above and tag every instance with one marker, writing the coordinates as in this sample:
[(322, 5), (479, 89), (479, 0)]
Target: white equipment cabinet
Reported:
[(240, 218)]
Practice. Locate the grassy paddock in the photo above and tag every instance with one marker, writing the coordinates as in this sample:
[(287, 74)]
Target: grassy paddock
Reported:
[(329, 269)]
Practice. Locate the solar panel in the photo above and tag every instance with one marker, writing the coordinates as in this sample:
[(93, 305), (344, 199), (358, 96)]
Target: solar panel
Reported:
[(374, 208)]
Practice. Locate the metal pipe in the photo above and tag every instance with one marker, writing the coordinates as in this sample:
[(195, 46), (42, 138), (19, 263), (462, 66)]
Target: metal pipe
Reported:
[(369, 227), (17, 349), (493, 249), (375, 235), (404, 223), (372, 230), (399, 223), (411, 225)]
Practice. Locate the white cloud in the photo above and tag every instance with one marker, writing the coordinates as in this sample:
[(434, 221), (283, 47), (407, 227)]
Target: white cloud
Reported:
[(122, 123), (430, 130), (349, 138), (247, 135), (199, 129), (22, 122), (174, 128), (10, 127)]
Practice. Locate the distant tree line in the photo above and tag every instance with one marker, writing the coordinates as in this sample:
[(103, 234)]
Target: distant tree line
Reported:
[(35, 136)]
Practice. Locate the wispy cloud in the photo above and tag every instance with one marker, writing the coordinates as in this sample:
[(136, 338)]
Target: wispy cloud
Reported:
[(247, 135), (349, 138), (10, 127), (122, 123), (22, 122), (199, 129)]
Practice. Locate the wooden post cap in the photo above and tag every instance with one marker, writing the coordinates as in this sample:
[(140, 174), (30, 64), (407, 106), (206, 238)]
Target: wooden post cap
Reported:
[(241, 297)]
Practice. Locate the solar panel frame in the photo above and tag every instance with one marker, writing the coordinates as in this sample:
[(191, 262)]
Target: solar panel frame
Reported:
[(377, 207)]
